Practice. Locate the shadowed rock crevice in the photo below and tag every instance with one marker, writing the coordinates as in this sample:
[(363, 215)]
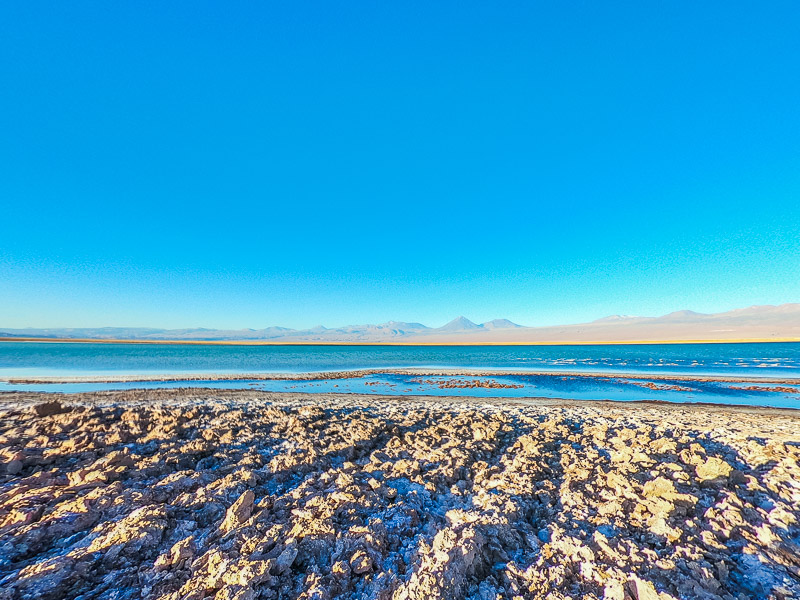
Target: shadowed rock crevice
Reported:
[(197, 495)]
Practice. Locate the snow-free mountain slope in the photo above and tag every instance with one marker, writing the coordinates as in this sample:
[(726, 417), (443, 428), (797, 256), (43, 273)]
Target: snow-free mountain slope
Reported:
[(500, 324), (459, 324), (751, 323)]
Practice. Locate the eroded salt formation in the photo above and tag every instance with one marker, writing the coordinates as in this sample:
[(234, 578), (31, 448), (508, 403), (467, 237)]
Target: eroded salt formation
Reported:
[(191, 494)]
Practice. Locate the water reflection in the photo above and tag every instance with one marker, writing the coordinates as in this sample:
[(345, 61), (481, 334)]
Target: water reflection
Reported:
[(511, 386)]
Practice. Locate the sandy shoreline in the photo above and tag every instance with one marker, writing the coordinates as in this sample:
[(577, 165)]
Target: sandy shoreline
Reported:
[(242, 494), (357, 373)]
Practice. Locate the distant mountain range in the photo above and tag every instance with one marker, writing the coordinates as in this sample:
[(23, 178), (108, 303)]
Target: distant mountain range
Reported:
[(756, 322)]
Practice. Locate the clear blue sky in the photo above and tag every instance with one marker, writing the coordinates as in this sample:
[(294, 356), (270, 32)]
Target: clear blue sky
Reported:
[(296, 163)]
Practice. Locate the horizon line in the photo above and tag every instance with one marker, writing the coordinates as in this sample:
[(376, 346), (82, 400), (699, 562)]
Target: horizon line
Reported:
[(333, 343), (390, 321)]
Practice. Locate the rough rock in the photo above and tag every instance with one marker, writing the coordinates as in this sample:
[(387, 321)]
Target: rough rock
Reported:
[(198, 494), (48, 409), (239, 512)]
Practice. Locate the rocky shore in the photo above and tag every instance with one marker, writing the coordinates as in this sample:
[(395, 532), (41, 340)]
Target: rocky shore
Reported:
[(193, 494)]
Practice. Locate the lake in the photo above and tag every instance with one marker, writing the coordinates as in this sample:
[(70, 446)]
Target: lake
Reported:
[(623, 372)]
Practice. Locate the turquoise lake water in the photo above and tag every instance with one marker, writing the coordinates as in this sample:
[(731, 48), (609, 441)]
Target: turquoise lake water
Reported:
[(547, 367), (31, 358)]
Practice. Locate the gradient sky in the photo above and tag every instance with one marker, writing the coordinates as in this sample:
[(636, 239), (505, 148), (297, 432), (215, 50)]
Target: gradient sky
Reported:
[(296, 163)]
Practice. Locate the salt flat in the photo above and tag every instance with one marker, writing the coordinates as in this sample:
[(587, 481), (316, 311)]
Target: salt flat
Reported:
[(234, 494)]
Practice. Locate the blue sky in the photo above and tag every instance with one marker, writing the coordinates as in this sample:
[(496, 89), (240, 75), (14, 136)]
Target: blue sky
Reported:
[(252, 164)]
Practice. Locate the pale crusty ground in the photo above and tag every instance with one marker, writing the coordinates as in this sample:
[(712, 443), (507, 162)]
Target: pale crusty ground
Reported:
[(212, 494)]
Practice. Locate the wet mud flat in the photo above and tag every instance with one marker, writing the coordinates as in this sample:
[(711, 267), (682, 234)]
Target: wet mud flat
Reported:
[(197, 494)]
